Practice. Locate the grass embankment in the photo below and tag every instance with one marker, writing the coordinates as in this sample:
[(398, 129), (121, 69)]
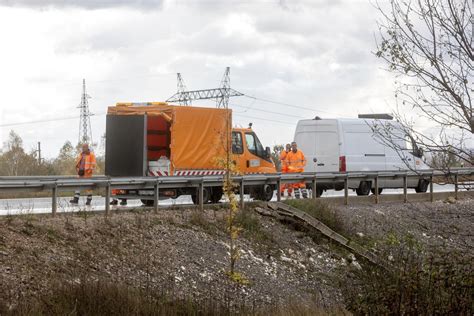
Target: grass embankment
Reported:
[(424, 280)]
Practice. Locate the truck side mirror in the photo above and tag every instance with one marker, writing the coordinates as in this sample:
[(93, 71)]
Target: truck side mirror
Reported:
[(268, 153), (315, 160)]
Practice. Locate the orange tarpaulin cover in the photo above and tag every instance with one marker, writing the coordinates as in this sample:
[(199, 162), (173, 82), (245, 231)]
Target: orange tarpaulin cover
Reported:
[(199, 136)]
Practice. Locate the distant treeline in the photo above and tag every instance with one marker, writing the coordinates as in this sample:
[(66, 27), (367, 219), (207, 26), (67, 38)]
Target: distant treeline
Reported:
[(15, 161)]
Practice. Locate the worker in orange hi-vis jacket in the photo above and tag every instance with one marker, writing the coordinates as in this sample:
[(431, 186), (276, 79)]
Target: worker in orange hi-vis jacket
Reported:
[(85, 166), (296, 162), (284, 169)]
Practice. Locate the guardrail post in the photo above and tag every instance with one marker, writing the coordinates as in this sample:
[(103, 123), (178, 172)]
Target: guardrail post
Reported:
[(431, 188), (456, 188), (346, 190), (107, 198), (156, 196), (201, 196), (376, 188), (314, 191), (242, 188), (55, 199), (278, 189), (405, 189)]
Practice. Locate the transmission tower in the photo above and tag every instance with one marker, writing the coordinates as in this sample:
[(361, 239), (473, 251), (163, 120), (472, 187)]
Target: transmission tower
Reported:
[(181, 89), (221, 95), (225, 88), (85, 131)]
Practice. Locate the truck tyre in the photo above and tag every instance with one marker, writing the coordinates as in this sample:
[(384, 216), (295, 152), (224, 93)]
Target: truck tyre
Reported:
[(148, 202), (422, 186), (364, 188), (205, 194), (265, 193), (319, 191), (373, 191), (216, 194)]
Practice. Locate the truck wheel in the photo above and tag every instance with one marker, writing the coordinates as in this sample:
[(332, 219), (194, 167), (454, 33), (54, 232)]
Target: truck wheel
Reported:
[(265, 193), (205, 195), (373, 190), (319, 191), (216, 194), (422, 186), (364, 188), (148, 202)]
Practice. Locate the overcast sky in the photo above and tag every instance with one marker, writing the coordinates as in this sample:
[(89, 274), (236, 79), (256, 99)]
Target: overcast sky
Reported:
[(316, 54)]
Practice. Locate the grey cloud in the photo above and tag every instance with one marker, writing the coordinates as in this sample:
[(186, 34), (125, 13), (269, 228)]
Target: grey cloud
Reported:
[(84, 4)]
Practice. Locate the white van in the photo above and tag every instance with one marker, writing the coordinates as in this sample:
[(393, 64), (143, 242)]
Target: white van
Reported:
[(341, 145)]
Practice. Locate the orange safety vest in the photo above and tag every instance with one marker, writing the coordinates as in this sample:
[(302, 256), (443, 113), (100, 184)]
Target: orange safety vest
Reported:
[(88, 164), (295, 161), (284, 165)]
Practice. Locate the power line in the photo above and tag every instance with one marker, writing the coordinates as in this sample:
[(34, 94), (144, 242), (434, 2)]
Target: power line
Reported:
[(47, 120), (264, 119), (266, 111), (289, 105)]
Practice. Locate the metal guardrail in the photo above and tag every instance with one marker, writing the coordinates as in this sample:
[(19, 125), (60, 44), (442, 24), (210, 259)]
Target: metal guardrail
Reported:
[(65, 183)]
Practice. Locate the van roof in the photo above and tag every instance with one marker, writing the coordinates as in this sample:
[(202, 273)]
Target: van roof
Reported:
[(342, 120)]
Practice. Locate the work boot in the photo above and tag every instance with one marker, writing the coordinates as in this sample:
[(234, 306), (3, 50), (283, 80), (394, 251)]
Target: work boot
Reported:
[(75, 200), (89, 201), (123, 202), (297, 193), (305, 193)]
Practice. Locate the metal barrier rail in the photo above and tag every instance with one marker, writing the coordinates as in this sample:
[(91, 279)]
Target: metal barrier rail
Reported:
[(63, 183)]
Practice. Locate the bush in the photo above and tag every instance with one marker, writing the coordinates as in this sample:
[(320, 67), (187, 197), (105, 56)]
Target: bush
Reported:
[(438, 282)]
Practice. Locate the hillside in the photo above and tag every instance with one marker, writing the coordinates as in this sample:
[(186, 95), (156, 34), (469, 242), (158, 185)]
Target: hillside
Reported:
[(184, 255)]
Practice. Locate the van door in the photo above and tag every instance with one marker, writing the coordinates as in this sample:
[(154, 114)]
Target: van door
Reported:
[(320, 140)]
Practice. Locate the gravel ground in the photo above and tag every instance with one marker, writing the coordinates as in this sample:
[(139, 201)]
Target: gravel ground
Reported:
[(186, 253)]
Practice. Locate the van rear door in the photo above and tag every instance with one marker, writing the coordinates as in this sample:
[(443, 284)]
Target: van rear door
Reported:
[(319, 139)]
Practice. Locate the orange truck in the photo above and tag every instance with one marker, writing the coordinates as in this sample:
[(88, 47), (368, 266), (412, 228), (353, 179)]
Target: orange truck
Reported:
[(156, 139)]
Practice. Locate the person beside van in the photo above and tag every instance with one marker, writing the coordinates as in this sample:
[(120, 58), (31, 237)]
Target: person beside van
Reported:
[(296, 162), (284, 169)]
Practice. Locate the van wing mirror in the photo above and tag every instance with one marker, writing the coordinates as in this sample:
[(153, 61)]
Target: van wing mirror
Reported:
[(268, 153)]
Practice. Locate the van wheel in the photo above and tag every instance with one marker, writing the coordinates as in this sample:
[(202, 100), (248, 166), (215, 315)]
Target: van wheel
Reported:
[(373, 190), (422, 186), (148, 202), (216, 194), (205, 196), (364, 188)]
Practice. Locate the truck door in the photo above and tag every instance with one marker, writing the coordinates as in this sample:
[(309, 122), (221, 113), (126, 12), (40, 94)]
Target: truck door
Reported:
[(255, 159), (125, 147)]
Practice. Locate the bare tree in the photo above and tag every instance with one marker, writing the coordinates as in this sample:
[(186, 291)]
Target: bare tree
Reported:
[(428, 44)]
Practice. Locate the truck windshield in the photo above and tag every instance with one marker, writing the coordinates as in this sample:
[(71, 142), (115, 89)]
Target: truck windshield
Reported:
[(254, 145)]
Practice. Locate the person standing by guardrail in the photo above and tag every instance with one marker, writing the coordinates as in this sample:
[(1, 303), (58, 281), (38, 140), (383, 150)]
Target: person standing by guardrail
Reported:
[(296, 162), (284, 169), (85, 166)]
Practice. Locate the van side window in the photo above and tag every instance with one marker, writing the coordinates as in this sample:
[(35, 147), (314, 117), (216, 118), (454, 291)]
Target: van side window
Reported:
[(254, 145), (237, 146)]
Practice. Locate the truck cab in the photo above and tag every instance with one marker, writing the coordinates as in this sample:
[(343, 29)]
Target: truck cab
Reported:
[(250, 155)]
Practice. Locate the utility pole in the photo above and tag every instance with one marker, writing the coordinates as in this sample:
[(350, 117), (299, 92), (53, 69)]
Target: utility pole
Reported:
[(39, 153), (85, 130)]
